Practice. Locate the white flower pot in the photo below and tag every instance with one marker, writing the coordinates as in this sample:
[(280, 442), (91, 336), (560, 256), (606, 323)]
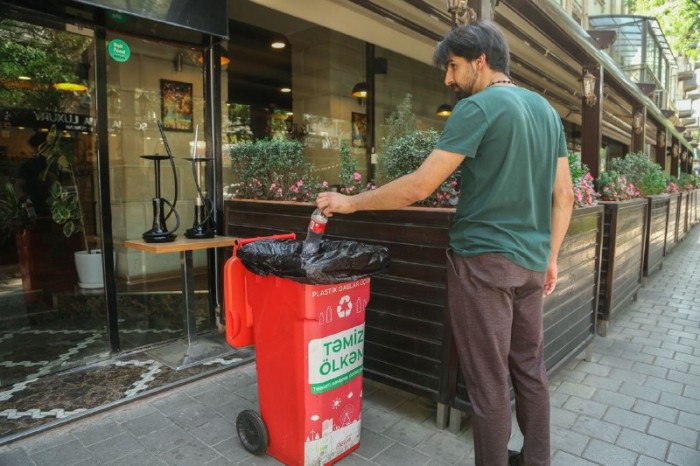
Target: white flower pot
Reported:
[(89, 266)]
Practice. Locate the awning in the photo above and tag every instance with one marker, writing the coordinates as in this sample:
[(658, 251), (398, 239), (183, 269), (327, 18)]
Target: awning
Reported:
[(210, 17)]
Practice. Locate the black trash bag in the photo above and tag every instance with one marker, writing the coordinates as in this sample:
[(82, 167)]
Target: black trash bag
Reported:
[(335, 261)]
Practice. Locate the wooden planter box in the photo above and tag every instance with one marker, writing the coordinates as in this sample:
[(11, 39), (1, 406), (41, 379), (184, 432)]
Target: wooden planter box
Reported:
[(408, 335), (623, 256), (570, 312), (406, 316), (672, 223), (657, 212)]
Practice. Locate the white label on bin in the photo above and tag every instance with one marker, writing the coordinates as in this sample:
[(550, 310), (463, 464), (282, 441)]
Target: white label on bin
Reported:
[(321, 450), (336, 359)]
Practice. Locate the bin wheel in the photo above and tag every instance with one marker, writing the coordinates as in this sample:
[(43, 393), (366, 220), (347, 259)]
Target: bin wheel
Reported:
[(252, 431)]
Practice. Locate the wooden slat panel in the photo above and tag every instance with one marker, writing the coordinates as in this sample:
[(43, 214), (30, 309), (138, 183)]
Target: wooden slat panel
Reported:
[(656, 233), (672, 227), (682, 215), (407, 309), (569, 313), (623, 253), (407, 320)]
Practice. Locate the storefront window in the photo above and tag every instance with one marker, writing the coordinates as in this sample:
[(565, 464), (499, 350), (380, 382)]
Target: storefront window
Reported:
[(52, 317)]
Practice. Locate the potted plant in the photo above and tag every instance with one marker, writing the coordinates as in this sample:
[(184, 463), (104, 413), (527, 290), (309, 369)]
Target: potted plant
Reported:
[(14, 218), (31, 239), (66, 209), (651, 181), (624, 236)]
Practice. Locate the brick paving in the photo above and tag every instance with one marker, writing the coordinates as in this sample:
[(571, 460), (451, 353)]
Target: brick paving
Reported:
[(636, 402)]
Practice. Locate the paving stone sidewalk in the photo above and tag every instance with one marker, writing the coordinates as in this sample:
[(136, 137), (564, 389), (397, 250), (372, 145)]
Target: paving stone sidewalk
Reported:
[(637, 403)]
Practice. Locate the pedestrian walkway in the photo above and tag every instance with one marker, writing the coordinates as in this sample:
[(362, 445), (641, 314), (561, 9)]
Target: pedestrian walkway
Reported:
[(637, 402)]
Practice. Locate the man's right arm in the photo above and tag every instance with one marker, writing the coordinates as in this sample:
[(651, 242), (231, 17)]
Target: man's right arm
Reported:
[(399, 193)]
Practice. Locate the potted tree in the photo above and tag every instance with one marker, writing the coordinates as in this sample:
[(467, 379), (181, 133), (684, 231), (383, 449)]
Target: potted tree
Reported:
[(33, 241), (66, 208)]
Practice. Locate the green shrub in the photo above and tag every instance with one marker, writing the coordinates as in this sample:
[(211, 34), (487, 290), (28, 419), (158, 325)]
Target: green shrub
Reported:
[(405, 154), (577, 169), (349, 176), (584, 190), (647, 176), (400, 122), (612, 186), (272, 169), (688, 182)]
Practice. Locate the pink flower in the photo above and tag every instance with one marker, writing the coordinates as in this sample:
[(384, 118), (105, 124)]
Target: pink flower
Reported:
[(324, 184), (300, 183), (356, 176)]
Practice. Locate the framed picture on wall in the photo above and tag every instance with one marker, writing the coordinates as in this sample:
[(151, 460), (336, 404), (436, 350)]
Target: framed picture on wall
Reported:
[(359, 130), (176, 105)]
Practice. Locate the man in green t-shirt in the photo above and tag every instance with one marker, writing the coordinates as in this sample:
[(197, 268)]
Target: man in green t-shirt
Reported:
[(514, 209)]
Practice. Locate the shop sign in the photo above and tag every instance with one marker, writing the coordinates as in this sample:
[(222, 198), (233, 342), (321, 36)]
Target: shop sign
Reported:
[(117, 17), (45, 119), (119, 50)]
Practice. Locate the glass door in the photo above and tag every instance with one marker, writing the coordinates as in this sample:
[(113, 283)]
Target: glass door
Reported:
[(51, 318), (151, 83)]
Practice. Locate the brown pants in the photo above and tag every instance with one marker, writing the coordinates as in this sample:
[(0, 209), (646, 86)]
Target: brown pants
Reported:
[(496, 312)]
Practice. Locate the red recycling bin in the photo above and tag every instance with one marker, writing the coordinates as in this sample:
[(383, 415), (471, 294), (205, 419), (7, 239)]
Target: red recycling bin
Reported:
[(309, 343)]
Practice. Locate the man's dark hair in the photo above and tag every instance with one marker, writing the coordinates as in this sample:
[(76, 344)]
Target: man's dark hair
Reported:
[(473, 39)]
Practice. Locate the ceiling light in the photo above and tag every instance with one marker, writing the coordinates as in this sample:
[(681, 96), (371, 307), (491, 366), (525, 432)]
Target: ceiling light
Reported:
[(72, 87), (278, 44), (444, 110), (285, 90), (359, 91)]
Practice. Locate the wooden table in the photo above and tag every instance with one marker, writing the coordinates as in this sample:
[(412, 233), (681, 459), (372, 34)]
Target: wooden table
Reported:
[(183, 354)]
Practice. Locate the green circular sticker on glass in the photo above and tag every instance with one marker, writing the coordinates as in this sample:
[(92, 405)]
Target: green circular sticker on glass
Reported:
[(117, 17), (119, 50)]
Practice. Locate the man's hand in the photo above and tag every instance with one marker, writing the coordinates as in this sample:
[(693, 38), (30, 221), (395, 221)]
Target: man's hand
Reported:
[(550, 278), (331, 202)]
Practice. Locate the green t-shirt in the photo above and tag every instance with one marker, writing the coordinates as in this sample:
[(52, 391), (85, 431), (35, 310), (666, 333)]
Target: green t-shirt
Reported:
[(511, 139)]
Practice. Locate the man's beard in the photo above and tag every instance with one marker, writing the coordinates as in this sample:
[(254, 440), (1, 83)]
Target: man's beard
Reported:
[(459, 95)]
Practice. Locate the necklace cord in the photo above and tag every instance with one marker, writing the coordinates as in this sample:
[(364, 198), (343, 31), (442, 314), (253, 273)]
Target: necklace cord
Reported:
[(502, 81)]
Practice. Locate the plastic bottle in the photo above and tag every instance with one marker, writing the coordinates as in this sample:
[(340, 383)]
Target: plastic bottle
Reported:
[(317, 226)]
